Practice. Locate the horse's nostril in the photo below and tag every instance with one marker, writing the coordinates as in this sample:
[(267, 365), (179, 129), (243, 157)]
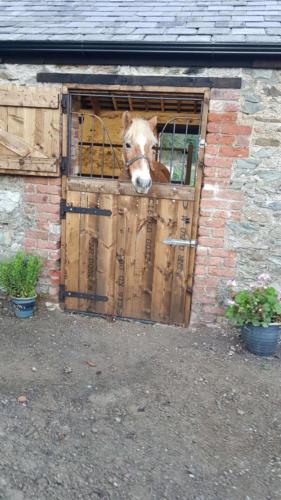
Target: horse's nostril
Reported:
[(143, 183)]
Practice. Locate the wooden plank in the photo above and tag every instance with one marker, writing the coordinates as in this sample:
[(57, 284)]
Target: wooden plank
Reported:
[(145, 244), (72, 250), (106, 254), (188, 91), (24, 165), (130, 206), (167, 191), (120, 256), (136, 80), (32, 97), (83, 253), (33, 173), (4, 118), (163, 261), (179, 294)]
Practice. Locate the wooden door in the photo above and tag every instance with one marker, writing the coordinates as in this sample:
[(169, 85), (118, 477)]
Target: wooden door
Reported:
[(128, 255), (30, 130), (121, 256)]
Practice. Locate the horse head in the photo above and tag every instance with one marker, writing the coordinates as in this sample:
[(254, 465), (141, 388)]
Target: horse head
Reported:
[(139, 142)]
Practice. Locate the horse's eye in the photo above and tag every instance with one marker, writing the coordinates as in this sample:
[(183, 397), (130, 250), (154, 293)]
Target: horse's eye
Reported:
[(154, 147), (128, 145)]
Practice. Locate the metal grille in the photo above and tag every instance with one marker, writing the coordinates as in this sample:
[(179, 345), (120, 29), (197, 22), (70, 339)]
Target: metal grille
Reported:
[(95, 139)]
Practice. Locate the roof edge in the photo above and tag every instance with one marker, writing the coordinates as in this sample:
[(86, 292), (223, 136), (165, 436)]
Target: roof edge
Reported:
[(142, 53), (139, 47)]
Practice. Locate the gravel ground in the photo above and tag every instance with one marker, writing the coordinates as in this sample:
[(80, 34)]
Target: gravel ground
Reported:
[(126, 411)]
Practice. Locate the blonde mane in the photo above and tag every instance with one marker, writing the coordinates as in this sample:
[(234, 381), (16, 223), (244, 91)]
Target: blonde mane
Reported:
[(139, 128)]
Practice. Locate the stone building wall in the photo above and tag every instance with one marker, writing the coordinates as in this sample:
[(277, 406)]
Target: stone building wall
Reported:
[(239, 228)]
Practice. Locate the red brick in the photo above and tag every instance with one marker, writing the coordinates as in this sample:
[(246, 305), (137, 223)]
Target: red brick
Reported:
[(216, 310), (220, 139), (211, 281), (212, 149), (204, 231), (209, 171), (224, 194), (220, 252), (36, 180), (200, 270), (211, 292), (54, 181), (29, 188), (210, 222), (217, 204), (48, 217), (48, 245), (212, 161), (51, 209), (211, 242), (54, 237), (42, 226), (230, 262), (222, 117), (54, 255), (204, 299), (217, 232), (36, 198), (54, 198), (48, 189), (221, 180), (219, 106), (214, 261), (54, 273), (231, 151), (225, 94), (223, 272), (233, 129), (201, 250), (42, 235), (214, 127), (30, 244)]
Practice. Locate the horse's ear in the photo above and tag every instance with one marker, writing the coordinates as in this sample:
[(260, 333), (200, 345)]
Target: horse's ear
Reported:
[(153, 123), (126, 119)]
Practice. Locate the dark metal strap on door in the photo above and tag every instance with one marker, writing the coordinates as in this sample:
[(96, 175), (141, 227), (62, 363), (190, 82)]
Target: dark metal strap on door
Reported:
[(64, 208), (63, 293)]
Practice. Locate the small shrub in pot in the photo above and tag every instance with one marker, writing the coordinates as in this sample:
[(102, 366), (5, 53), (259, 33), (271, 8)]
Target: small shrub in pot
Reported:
[(19, 276)]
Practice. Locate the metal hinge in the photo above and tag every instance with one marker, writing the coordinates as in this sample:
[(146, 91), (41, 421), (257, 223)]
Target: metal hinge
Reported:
[(63, 165), (63, 293), (64, 208), (64, 103), (187, 243)]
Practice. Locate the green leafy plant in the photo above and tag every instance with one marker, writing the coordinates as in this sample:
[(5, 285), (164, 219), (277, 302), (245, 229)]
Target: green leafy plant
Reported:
[(258, 305), (19, 274)]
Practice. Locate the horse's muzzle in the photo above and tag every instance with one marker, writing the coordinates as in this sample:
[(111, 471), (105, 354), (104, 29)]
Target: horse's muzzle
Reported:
[(142, 185)]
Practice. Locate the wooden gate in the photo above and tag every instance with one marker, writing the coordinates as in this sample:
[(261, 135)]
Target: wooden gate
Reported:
[(129, 255)]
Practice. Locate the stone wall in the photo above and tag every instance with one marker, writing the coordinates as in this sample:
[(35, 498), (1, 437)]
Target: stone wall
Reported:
[(239, 229), (29, 220)]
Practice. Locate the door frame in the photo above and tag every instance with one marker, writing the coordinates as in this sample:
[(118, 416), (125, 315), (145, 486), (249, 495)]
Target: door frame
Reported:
[(205, 93)]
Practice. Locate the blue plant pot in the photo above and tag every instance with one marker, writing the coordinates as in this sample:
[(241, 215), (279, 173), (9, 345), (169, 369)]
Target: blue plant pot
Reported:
[(261, 340), (23, 307)]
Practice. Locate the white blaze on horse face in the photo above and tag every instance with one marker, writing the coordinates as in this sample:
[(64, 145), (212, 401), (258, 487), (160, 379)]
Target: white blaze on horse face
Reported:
[(139, 135)]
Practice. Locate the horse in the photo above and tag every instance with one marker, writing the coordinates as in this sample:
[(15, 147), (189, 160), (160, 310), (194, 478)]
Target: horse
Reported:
[(139, 151)]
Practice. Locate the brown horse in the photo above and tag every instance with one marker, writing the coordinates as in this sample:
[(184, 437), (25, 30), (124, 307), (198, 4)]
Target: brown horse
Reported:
[(139, 150)]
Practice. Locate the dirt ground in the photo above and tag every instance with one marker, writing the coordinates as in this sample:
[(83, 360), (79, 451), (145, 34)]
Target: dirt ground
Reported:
[(127, 411)]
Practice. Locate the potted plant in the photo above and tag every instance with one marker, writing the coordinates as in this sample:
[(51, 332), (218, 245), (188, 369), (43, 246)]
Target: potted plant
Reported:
[(19, 277), (257, 310)]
